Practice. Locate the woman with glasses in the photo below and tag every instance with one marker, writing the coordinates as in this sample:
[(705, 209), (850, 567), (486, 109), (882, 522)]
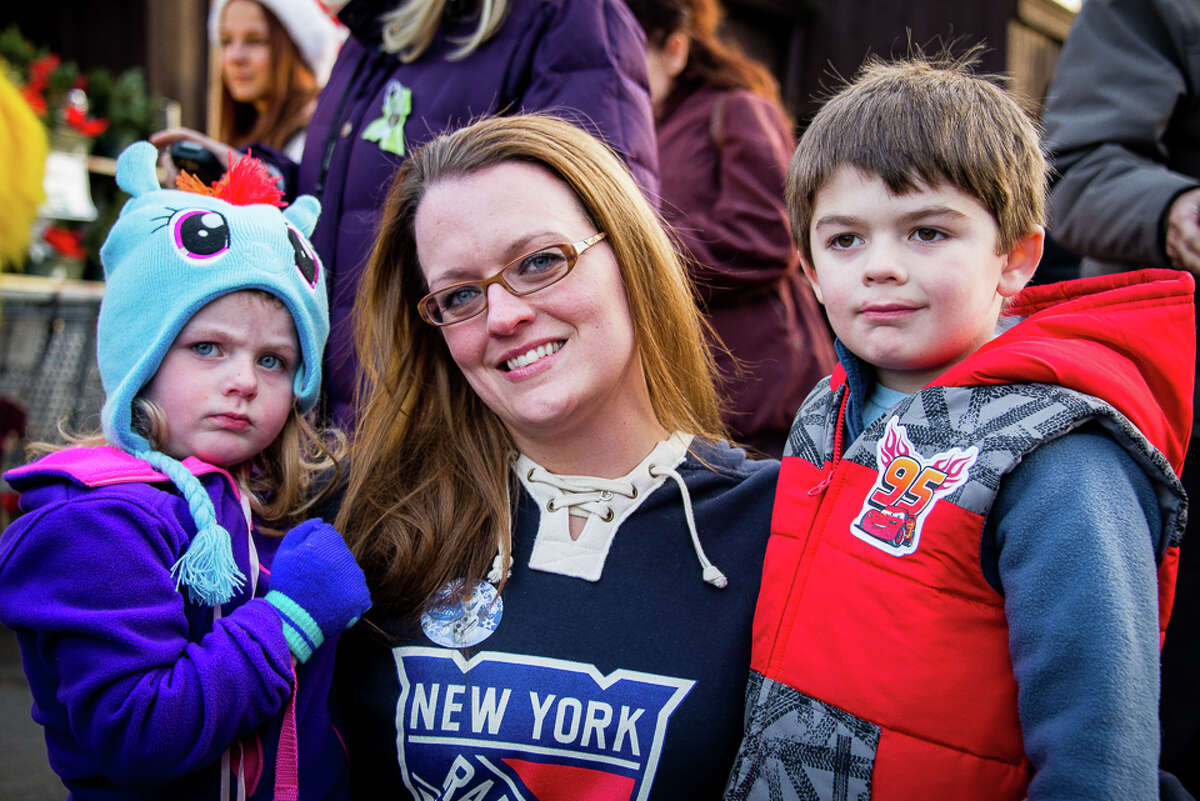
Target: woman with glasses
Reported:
[(411, 69), (563, 554)]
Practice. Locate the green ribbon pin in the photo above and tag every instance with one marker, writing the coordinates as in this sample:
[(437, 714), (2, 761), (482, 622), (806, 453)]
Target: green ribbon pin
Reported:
[(388, 130)]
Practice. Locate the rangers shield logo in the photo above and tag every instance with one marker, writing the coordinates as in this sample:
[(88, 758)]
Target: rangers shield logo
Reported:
[(508, 727), (906, 489)]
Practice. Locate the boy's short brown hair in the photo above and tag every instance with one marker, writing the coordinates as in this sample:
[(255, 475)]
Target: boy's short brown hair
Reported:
[(925, 121)]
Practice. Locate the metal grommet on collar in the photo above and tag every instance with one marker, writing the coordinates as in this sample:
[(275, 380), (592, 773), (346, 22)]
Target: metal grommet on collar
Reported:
[(609, 515), (550, 506)]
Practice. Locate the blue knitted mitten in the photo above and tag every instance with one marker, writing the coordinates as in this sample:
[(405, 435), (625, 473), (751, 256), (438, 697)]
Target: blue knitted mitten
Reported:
[(316, 585)]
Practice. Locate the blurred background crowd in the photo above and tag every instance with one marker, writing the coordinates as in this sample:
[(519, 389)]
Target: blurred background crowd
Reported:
[(731, 86)]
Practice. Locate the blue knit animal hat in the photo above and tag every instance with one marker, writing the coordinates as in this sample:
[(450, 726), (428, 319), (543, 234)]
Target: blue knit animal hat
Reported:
[(169, 254)]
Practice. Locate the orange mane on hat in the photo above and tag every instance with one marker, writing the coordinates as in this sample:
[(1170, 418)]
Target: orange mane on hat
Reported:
[(247, 181)]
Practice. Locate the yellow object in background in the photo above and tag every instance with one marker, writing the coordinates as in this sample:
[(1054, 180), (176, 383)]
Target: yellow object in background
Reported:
[(23, 149)]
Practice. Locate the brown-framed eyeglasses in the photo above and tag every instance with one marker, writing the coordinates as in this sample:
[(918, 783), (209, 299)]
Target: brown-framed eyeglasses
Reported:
[(523, 275)]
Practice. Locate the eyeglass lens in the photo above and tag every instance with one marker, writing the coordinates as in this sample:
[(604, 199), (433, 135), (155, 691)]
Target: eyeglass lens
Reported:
[(527, 274)]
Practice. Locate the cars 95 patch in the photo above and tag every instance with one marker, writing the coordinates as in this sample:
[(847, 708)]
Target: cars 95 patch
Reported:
[(906, 489)]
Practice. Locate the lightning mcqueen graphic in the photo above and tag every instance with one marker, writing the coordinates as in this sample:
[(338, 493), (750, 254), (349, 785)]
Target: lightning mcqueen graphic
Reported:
[(890, 524), (906, 488)]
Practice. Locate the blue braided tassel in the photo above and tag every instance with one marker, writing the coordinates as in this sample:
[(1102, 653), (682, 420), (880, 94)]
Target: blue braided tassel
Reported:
[(207, 568)]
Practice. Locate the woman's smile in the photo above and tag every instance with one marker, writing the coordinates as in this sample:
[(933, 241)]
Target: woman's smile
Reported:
[(532, 355), (562, 359)]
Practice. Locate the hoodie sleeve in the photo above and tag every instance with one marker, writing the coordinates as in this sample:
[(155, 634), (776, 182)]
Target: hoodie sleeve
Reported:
[(1077, 568), (1121, 90), (114, 662)]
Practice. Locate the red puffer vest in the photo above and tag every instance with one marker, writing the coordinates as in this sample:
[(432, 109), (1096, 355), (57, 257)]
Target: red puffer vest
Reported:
[(907, 691)]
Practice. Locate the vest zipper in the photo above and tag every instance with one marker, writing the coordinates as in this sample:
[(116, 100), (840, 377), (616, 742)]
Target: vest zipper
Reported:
[(813, 537)]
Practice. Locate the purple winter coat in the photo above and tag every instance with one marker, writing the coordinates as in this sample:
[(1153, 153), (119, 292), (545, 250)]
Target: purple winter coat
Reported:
[(140, 691), (581, 59)]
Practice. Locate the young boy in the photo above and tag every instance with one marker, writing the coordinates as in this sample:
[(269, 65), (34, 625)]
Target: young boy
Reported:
[(977, 523)]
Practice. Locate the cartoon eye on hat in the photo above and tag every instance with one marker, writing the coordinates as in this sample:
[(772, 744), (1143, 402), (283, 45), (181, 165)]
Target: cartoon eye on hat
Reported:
[(305, 259), (201, 233)]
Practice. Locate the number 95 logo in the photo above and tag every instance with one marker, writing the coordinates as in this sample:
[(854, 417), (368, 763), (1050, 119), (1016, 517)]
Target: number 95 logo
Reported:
[(905, 491)]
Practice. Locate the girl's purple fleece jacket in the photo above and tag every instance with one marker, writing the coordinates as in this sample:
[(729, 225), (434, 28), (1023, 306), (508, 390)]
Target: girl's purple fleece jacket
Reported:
[(140, 692)]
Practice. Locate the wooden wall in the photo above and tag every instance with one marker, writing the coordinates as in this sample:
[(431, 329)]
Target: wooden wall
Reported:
[(176, 54), (812, 44), (166, 38)]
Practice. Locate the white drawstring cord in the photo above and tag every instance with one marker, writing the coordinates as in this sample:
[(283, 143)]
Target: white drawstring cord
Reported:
[(710, 572), (589, 496), (501, 566)]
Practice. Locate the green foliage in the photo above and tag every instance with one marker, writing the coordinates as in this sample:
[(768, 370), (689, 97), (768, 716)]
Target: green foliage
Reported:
[(15, 48), (122, 100), (132, 112)]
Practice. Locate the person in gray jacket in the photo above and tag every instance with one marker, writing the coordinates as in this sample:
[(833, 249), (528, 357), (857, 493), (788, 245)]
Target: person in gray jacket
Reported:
[(1122, 123)]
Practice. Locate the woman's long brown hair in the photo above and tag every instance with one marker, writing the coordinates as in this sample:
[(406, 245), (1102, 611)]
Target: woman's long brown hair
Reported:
[(431, 490)]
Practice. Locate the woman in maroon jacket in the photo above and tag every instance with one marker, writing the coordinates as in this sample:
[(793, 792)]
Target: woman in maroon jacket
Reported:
[(724, 141)]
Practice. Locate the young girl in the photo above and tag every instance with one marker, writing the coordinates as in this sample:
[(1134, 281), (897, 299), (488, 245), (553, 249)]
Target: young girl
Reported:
[(137, 579)]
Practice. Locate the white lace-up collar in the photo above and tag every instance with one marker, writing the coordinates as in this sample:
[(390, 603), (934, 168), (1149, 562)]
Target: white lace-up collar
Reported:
[(606, 503)]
